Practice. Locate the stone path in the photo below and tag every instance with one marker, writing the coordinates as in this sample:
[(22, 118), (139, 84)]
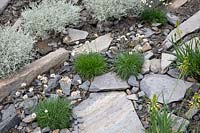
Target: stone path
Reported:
[(109, 112)]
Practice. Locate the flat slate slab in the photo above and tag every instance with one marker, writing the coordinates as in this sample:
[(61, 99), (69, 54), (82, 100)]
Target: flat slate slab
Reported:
[(108, 81), (76, 35), (108, 112), (163, 85), (100, 44), (190, 25), (3, 5)]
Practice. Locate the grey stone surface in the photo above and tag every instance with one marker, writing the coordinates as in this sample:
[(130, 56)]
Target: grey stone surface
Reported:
[(179, 122), (166, 60), (100, 44), (172, 19), (29, 103), (162, 85), (146, 66), (3, 5), (76, 35), (133, 81), (190, 25), (178, 3), (9, 119), (76, 80), (85, 86), (108, 81), (65, 84), (53, 83), (155, 65), (109, 112), (29, 119)]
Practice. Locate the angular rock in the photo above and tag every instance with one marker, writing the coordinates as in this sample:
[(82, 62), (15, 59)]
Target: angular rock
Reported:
[(53, 83), (85, 86), (148, 32), (76, 80), (42, 47), (75, 35), (132, 97), (146, 66), (179, 122), (65, 84), (190, 25), (29, 103), (100, 44), (108, 81), (174, 73), (65, 131), (191, 112), (166, 60), (9, 119), (172, 19), (134, 89), (155, 65), (29, 119), (133, 82), (3, 5), (109, 112), (31, 71), (37, 130), (164, 86)]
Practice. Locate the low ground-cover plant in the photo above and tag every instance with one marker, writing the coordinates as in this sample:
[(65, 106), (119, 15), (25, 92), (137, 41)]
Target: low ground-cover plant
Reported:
[(128, 64), (15, 50), (160, 120), (104, 9), (49, 15), (153, 15), (54, 113), (188, 58), (90, 65)]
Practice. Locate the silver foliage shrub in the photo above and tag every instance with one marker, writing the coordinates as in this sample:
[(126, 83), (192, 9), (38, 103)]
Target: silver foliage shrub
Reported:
[(15, 50), (49, 15), (104, 9)]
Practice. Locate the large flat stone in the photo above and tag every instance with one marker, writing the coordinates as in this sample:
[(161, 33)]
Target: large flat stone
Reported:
[(109, 112), (162, 85), (190, 25), (100, 44), (3, 5), (31, 71), (76, 35), (178, 3), (108, 81)]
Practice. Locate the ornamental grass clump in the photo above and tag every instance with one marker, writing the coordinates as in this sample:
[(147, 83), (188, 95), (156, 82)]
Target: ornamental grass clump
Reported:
[(90, 65), (54, 113), (128, 64), (105, 9), (49, 15), (188, 58), (153, 15), (15, 50)]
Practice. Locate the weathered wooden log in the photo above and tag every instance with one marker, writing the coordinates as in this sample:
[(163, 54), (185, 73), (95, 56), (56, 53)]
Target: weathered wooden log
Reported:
[(31, 71)]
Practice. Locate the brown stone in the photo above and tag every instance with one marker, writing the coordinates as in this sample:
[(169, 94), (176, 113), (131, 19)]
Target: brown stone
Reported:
[(43, 48), (31, 71)]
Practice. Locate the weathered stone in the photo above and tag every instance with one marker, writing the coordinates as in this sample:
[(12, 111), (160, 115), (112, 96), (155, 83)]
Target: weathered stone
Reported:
[(174, 73), (53, 83), (31, 71), (146, 66), (147, 32), (43, 48), (85, 85), (109, 112), (179, 122), (133, 81), (37, 130), (29, 119), (189, 26), (134, 89), (166, 60), (75, 35), (155, 65), (46, 130), (191, 112), (65, 131), (76, 80), (100, 44), (178, 3), (132, 97), (164, 86), (108, 81), (9, 119), (172, 19), (65, 84), (29, 103), (148, 55), (3, 5)]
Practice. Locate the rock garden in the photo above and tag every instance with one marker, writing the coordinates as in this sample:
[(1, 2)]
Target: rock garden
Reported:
[(107, 66)]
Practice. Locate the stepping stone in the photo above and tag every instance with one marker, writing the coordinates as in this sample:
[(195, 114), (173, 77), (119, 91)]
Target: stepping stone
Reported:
[(100, 44), (108, 112), (166, 61), (107, 82), (3, 5), (163, 85), (189, 26), (75, 35)]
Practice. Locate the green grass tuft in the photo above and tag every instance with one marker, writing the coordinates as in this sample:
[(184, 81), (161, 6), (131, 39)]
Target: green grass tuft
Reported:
[(54, 113), (153, 16), (90, 65), (128, 64)]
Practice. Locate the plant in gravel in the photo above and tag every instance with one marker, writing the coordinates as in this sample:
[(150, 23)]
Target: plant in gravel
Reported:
[(54, 113), (90, 65), (160, 121), (188, 55), (153, 15), (15, 50), (49, 15), (128, 64), (104, 9)]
